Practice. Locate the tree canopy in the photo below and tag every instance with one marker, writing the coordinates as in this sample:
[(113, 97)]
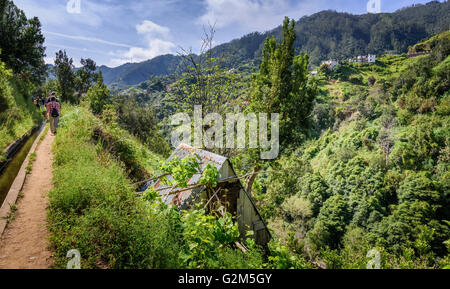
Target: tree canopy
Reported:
[(21, 43)]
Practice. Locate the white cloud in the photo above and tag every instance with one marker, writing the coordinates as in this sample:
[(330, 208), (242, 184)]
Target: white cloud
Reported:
[(155, 48), (254, 15), (158, 42), (151, 29), (77, 48), (84, 38), (49, 60)]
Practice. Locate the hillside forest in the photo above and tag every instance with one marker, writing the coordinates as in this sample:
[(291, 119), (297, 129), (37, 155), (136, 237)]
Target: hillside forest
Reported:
[(364, 160)]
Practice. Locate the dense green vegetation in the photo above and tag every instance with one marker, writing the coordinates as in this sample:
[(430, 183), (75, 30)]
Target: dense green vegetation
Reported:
[(281, 84), (372, 174), (94, 208), (364, 160), (377, 173), (69, 83), (22, 70), (21, 43), (17, 113)]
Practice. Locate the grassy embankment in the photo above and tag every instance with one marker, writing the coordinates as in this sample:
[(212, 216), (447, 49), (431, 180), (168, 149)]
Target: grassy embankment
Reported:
[(17, 113), (94, 208)]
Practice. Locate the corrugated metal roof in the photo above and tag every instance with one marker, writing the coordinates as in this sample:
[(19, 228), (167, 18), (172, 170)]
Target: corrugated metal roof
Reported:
[(183, 199), (183, 151), (206, 157)]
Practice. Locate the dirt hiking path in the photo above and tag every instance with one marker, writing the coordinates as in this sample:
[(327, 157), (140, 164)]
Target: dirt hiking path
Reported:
[(23, 244)]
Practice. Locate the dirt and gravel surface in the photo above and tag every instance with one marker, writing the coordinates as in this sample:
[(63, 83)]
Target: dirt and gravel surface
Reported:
[(24, 244)]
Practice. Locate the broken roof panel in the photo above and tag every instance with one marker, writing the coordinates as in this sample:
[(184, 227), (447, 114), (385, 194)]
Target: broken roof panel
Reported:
[(206, 157), (183, 151)]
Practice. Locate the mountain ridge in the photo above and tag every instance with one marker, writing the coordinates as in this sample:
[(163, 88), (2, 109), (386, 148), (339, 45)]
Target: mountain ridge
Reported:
[(323, 35)]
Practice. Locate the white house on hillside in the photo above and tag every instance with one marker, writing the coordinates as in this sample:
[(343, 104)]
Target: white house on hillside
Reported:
[(370, 58)]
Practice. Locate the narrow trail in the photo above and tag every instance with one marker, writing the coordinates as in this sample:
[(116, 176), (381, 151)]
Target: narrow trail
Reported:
[(23, 244)]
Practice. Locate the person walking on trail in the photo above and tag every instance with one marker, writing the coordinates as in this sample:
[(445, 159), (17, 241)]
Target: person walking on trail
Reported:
[(35, 101), (46, 100), (42, 105), (53, 113)]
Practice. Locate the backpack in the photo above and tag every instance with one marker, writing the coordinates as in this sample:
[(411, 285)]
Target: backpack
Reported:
[(54, 112)]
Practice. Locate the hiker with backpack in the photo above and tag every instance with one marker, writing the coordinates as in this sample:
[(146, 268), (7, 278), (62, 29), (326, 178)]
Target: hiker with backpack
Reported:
[(41, 105), (53, 112), (35, 101)]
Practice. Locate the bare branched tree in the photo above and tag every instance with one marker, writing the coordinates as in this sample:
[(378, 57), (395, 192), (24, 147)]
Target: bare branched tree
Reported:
[(206, 80), (385, 139)]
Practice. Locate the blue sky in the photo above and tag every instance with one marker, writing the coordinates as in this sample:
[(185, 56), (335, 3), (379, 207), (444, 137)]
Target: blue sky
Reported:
[(113, 32)]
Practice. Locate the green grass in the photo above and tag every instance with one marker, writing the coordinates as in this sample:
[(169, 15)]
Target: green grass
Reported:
[(31, 161), (142, 154), (12, 213), (93, 207), (44, 134), (17, 113)]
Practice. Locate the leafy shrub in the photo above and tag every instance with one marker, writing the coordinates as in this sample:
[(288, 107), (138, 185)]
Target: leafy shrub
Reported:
[(331, 223), (418, 186), (4, 91), (281, 258), (296, 208), (356, 79), (98, 97), (315, 190), (18, 115)]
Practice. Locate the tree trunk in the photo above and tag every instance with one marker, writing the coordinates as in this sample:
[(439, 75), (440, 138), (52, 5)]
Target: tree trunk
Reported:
[(251, 179)]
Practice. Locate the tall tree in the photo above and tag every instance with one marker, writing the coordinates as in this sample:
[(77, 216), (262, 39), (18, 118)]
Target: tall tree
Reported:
[(98, 96), (283, 86), (86, 76), (21, 43), (65, 76)]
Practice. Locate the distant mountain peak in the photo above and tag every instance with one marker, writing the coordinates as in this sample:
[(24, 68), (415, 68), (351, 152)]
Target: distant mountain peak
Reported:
[(324, 35)]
